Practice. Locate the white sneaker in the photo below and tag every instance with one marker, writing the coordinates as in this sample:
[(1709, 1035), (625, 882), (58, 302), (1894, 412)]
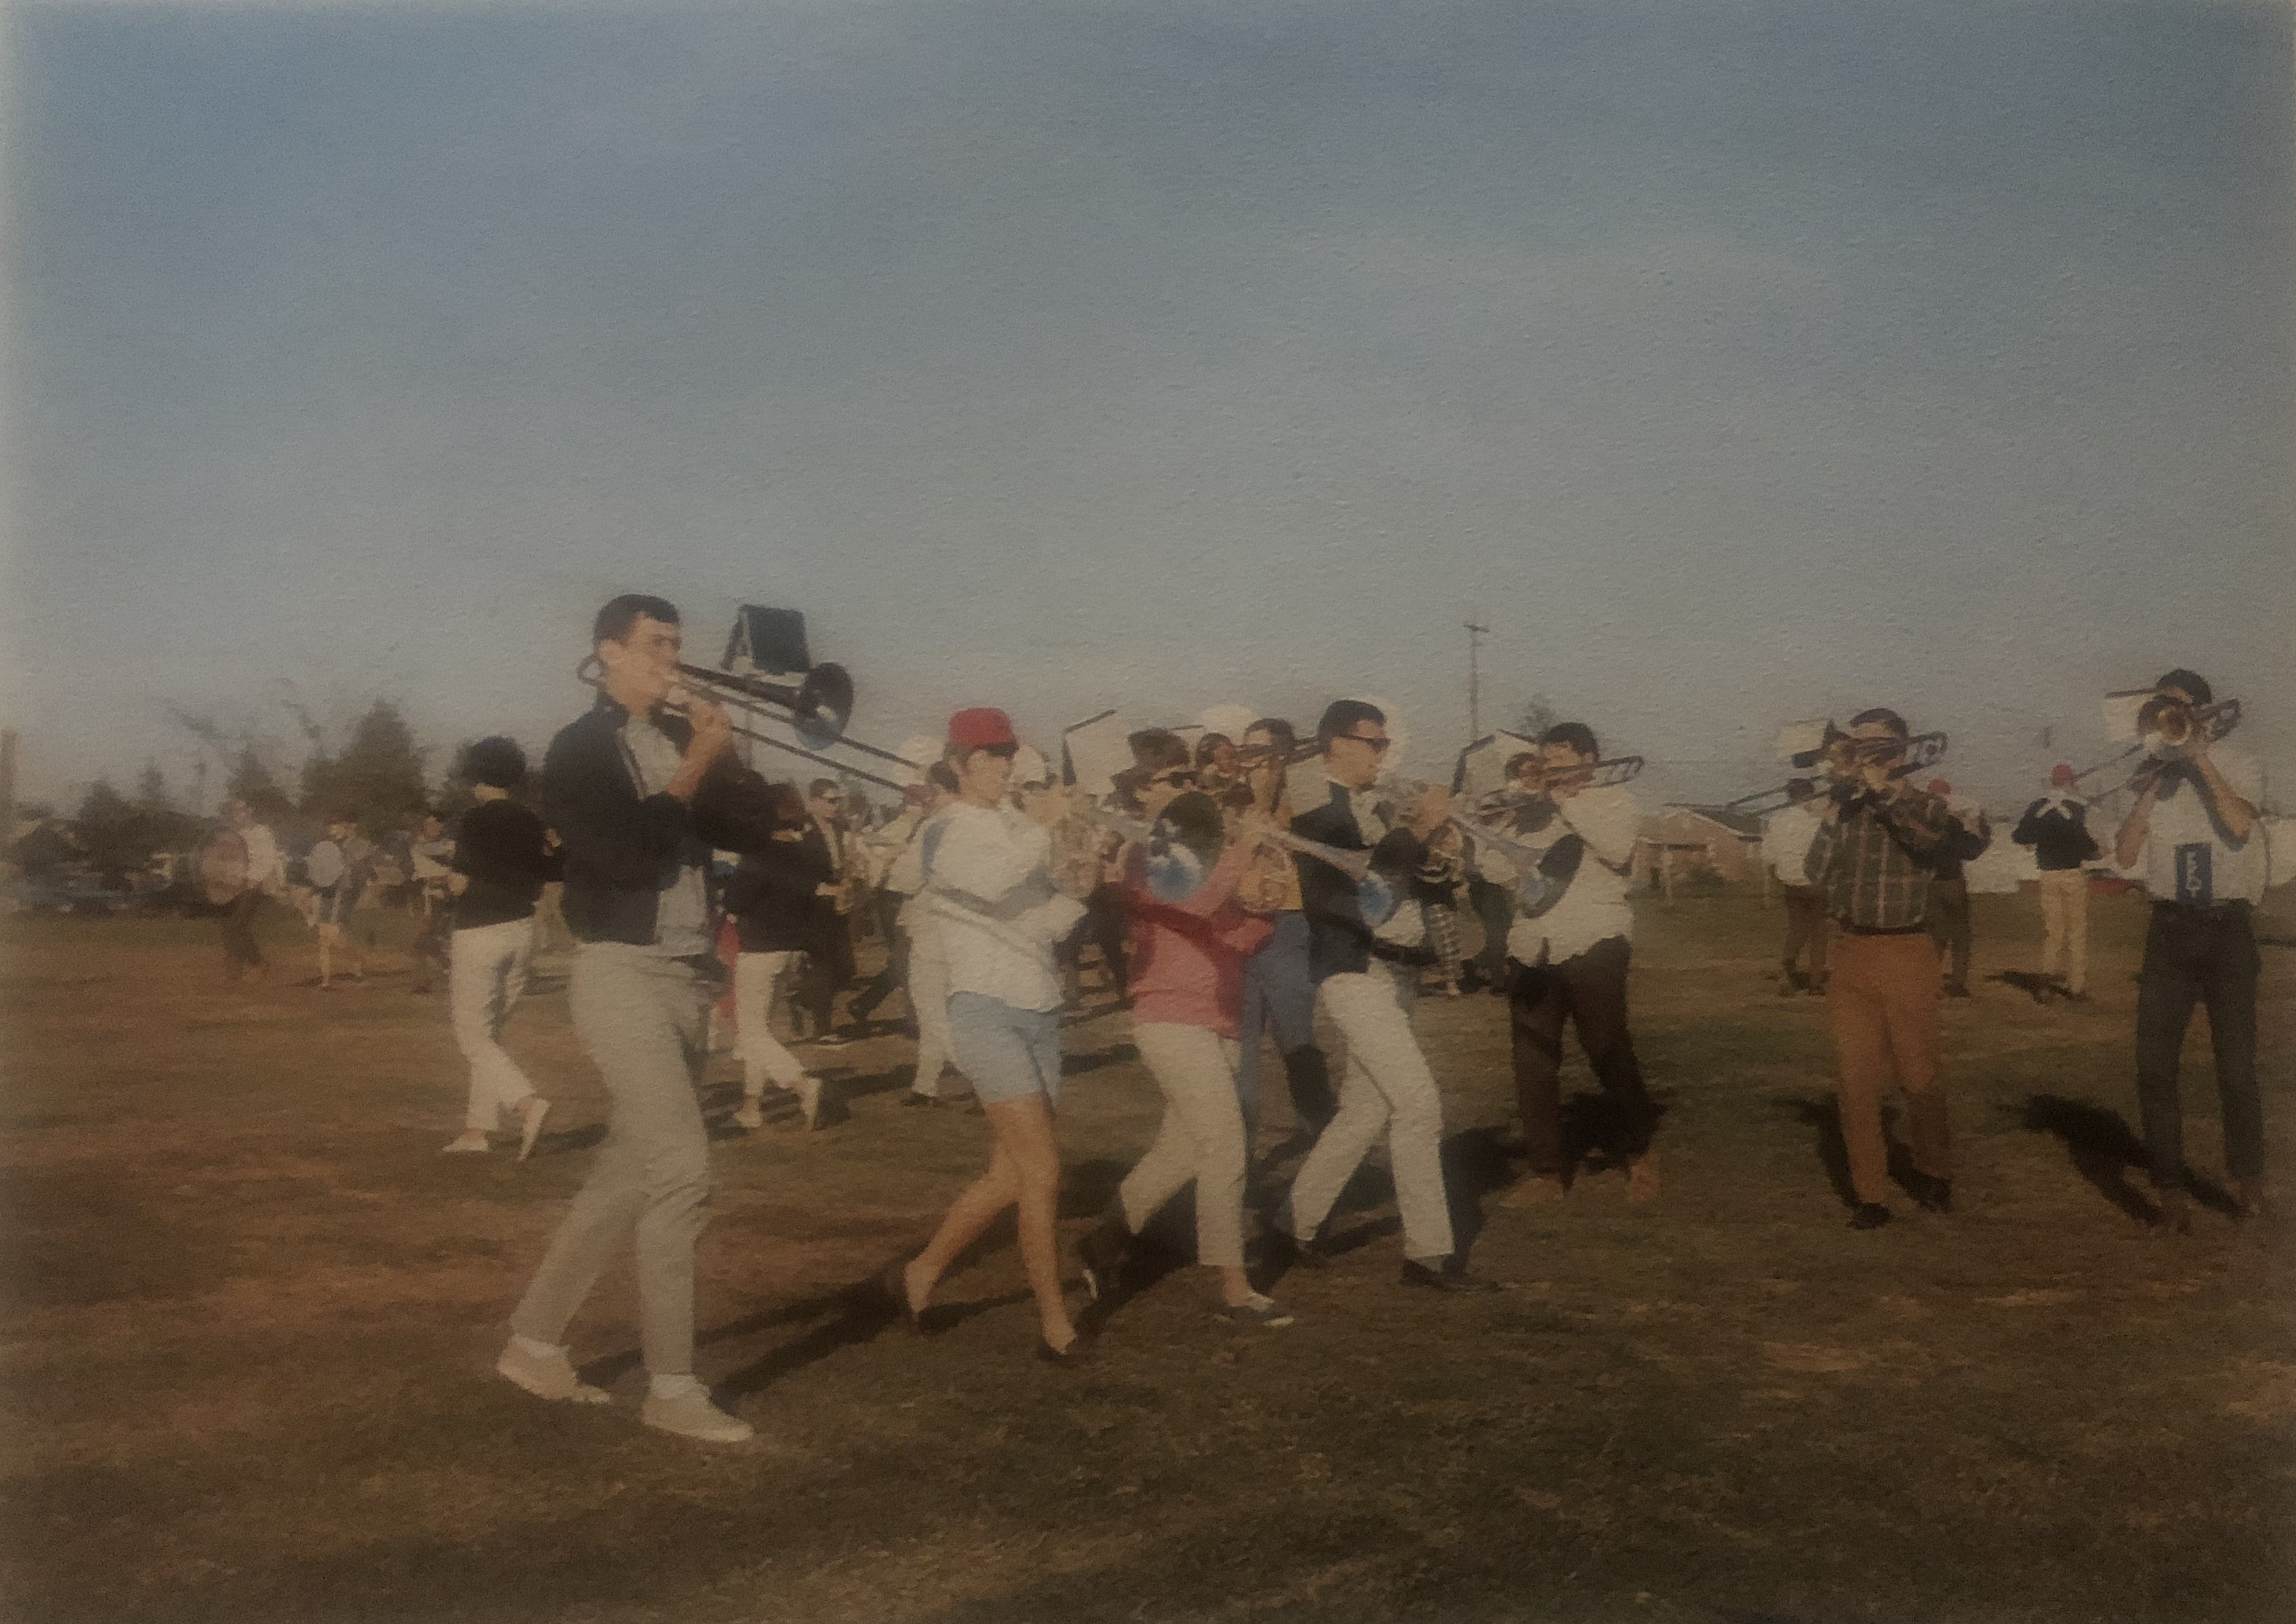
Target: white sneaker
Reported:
[(530, 1124), (551, 1377), (751, 1115), (692, 1416), (471, 1144)]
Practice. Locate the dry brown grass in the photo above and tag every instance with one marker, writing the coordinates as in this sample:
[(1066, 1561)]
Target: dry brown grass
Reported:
[(252, 1312)]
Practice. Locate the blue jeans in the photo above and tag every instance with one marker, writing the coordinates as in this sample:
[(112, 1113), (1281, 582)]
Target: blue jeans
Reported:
[(1007, 1052), (1279, 997)]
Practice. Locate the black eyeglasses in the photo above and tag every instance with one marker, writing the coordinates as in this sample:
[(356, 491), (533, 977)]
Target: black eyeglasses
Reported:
[(1378, 746)]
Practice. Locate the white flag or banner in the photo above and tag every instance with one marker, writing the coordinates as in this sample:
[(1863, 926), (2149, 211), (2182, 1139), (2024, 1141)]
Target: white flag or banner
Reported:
[(2121, 714), (1482, 765), (1802, 738)]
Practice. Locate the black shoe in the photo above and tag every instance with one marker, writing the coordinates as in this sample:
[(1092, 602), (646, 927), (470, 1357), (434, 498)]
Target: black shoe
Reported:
[(1287, 1251), (1452, 1277), (1933, 1195), (915, 1101), (1075, 1356), (1870, 1214), (1956, 989), (897, 1287), (1101, 1251)]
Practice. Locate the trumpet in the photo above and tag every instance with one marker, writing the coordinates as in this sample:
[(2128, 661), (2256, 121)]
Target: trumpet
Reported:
[(1842, 758)]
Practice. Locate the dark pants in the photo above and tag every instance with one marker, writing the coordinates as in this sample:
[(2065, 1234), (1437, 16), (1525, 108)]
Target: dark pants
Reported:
[(239, 949), (1590, 991), (1494, 905), (886, 906), (1103, 927), (1806, 929), (2198, 955), (828, 967), (1948, 922)]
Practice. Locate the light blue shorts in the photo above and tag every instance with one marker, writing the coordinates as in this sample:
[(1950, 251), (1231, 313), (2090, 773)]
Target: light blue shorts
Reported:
[(1006, 1053)]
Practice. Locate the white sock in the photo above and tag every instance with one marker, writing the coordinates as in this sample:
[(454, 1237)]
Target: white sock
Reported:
[(540, 1351), (672, 1387)]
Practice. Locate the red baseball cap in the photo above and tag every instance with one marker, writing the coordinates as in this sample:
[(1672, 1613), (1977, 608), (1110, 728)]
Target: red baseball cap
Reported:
[(1939, 786), (2061, 773), (983, 725)]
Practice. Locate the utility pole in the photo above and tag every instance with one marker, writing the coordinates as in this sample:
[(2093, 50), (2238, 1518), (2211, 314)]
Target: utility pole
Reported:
[(1475, 636)]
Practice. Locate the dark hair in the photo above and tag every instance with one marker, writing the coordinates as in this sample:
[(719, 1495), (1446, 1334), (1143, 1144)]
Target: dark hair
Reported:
[(1800, 789), (958, 755), (1195, 822), (1341, 716), (1209, 742), (2189, 683), (615, 620), (1155, 749), (1888, 719), (785, 806), (1519, 760), (494, 762), (1276, 728), (1578, 735), (942, 777), (820, 787)]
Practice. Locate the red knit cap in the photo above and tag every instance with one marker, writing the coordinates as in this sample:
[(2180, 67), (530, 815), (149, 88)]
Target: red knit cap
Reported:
[(2061, 775), (1939, 786), (983, 725)]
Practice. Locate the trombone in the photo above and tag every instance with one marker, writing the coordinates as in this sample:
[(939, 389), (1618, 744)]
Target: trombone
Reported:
[(1842, 756), (1604, 775), (816, 708), (2175, 724)]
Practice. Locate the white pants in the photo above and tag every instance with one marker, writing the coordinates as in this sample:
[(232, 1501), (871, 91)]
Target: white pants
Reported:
[(1200, 1138), (928, 997), (485, 975), (762, 984), (1388, 1090), (2064, 925)]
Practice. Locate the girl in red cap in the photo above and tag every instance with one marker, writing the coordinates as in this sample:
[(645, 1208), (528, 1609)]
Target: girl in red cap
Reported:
[(1000, 904)]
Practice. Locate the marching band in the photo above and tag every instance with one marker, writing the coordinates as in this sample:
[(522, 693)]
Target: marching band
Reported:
[(1240, 889)]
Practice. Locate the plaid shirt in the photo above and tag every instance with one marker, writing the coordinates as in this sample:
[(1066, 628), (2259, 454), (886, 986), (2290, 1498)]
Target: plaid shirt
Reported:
[(1873, 862)]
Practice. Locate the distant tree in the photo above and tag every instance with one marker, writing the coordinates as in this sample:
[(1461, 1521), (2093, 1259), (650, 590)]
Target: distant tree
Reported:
[(169, 826), (251, 781), (377, 778), (118, 838), (1538, 715)]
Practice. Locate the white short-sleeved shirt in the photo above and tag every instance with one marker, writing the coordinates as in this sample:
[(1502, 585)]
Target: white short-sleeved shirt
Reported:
[(1786, 837), (2186, 857)]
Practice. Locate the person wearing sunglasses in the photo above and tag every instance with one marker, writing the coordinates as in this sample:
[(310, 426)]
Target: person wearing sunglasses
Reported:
[(1366, 976)]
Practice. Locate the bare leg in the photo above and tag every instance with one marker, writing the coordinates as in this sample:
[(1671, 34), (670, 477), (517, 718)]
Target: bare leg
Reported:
[(1026, 1125), (975, 1207)]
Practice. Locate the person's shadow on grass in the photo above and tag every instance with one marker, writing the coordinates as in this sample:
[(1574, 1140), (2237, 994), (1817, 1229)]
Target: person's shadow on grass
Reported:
[(2105, 1150)]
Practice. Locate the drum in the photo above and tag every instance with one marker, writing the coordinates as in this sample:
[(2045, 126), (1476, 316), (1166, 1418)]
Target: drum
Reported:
[(219, 867)]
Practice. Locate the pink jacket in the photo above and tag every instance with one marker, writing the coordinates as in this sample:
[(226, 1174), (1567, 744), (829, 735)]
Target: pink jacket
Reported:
[(1188, 956)]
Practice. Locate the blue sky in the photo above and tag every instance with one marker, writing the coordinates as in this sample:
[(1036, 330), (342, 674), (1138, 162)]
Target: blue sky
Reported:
[(1732, 362)]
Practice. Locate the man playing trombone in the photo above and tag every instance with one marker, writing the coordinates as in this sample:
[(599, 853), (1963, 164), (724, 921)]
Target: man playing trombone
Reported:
[(2194, 829), (1872, 858), (1570, 954), (1365, 973)]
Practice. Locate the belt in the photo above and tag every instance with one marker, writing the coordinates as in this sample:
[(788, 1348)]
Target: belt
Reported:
[(1847, 929), (2238, 907)]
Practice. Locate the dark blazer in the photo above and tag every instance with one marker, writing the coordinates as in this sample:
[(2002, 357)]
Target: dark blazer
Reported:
[(2060, 839), (774, 896), (622, 848), (1339, 941)]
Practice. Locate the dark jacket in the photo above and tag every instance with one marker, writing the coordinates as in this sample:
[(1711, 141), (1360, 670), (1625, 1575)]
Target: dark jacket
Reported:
[(623, 848), (500, 848), (774, 896), (2059, 836), (1962, 843), (1339, 941)]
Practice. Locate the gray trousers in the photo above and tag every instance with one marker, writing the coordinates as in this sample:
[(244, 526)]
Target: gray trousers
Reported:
[(645, 1021)]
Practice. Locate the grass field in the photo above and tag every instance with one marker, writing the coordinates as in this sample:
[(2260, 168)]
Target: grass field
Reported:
[(251, 1314)]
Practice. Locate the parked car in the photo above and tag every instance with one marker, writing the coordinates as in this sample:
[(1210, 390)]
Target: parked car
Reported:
[(65, 891)]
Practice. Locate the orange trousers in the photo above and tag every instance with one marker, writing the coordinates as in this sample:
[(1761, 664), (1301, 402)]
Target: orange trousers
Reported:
[(1881, 999)]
